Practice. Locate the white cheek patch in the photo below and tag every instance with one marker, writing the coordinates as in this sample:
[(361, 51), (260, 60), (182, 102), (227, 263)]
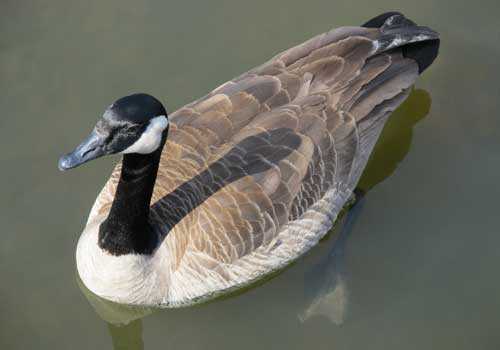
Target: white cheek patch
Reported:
[(151, 137)]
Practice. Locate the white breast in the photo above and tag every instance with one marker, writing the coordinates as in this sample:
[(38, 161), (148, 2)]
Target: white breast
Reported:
[(128, 279)]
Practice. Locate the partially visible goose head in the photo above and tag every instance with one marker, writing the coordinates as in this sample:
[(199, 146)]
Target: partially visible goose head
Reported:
[(135, 126), (132, 124)]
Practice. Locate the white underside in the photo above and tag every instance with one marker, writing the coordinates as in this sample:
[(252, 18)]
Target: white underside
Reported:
[(149, 280)]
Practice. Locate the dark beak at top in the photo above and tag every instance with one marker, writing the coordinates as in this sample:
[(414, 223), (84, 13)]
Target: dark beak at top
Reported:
[(91, 148)]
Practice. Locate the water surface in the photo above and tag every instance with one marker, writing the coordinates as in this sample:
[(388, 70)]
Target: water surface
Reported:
[(413, 266)]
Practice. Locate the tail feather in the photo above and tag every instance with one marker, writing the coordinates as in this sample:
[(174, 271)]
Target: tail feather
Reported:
[(417, 42), (378, 21)]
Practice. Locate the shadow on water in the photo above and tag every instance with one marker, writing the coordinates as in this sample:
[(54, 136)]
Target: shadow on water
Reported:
[(327, 289), (327, 282), (395, 141)]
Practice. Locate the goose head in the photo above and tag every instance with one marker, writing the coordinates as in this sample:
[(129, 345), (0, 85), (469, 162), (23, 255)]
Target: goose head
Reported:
[(132, 124)]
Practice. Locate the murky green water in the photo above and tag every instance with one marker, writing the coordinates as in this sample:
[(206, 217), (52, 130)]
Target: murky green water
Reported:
[(414, 266)]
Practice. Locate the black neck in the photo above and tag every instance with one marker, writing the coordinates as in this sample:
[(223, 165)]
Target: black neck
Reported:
[(127, 229)]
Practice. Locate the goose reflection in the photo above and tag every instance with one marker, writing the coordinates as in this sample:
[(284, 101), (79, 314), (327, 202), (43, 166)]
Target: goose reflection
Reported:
[(327, 282)]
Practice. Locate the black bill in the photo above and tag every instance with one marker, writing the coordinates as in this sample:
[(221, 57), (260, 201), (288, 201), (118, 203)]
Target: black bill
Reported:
[(94, 146)]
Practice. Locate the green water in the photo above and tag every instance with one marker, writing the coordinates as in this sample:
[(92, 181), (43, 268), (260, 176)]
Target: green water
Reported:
[(413, 266)]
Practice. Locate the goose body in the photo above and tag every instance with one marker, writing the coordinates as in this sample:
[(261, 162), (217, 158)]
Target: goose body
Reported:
[(249, 177)]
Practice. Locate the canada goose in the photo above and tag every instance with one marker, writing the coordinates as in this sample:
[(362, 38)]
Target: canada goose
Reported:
[(326, 281), (241, 182)]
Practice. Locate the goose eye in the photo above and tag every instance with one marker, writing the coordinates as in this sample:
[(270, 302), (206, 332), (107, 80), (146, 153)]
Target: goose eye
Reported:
[(135, 129), (119, 137)]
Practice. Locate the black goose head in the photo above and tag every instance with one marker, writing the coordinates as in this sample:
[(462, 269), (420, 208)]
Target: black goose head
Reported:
[(132, 124)]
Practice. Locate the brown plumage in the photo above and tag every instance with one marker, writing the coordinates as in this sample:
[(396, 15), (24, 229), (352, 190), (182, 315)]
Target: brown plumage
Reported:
[(257, 155)]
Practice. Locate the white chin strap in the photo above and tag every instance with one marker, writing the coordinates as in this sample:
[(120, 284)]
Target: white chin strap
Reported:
[(150, 138)]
